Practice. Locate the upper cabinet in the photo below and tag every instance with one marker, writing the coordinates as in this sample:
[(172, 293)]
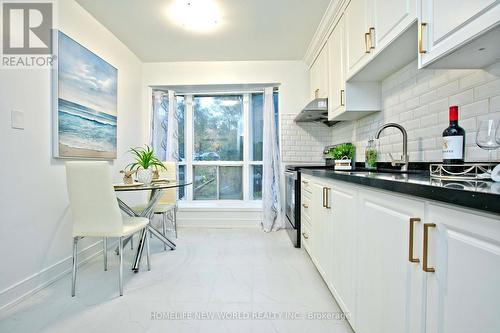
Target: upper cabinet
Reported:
[(391, 18), (371, 26), (319, 75), (357, 31), (336, 53), (464, 35)]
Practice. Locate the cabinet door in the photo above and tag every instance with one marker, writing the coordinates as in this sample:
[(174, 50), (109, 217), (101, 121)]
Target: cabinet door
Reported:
[(319, 75), (336, 99), (342, 236), (321, 226), (317, 215), (463, 294), (392, 17), (356, 25), (448, 25), (389, 285)]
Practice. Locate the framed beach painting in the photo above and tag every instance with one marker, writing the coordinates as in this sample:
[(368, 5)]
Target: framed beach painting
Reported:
[(85, 103)]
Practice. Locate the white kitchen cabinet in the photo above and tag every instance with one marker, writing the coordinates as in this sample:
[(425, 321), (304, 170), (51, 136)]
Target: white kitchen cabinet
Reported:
[(341, 231), (388, 285), (460, 29), (463, 294), (319, 75), (336, 57), (391, 18), (347, 101), (357, 26), (321, 215)]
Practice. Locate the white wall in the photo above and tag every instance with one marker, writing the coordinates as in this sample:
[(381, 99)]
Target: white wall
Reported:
[(292, 75), (35, 223), (419, 100)]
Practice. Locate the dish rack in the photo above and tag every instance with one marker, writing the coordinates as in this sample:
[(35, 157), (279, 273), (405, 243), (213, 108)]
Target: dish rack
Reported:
[(467, 171)]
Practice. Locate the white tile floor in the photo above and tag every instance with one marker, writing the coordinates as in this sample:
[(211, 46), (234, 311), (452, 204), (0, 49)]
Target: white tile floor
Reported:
[(243, 272)]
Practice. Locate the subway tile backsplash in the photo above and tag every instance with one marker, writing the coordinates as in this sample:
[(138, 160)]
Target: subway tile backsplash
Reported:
[(419, 100), (303, 142)]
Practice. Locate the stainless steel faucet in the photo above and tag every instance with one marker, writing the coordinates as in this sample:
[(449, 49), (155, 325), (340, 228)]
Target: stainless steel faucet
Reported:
[(405, 159)]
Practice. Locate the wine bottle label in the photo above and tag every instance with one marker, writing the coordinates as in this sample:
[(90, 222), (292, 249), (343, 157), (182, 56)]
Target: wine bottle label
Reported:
[(453, 147)]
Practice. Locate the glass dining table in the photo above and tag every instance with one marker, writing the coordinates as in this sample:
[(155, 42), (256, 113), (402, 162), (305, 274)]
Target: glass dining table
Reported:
[(156, 189)]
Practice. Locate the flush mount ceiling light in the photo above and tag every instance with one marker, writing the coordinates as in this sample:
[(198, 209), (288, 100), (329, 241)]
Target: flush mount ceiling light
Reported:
[(196, 15)]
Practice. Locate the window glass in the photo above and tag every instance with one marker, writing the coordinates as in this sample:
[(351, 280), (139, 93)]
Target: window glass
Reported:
[(256, 182), (230, 183), (218, 128), (181, 194), (204, 182)]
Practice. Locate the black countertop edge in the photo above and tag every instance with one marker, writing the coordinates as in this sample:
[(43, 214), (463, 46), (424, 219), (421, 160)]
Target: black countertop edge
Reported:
[(487, 202)]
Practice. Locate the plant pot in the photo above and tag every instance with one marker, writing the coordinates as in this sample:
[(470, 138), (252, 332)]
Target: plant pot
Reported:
[(145, 176)]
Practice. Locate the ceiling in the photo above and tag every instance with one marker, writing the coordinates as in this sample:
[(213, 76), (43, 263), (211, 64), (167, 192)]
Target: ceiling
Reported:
[(247, 30)]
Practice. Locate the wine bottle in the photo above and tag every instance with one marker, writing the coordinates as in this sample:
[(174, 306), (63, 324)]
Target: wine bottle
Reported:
[(453, 140)]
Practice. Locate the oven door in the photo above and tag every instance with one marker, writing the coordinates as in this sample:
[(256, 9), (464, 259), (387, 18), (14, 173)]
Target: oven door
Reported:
[(290, 179)]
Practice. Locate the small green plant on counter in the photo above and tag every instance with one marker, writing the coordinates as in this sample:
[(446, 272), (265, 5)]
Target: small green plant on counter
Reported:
[(145, 158), (371, 158), (341, 151)]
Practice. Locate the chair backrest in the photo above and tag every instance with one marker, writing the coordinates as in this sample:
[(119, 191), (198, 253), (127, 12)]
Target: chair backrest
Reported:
[(169, 195), (94, 208)]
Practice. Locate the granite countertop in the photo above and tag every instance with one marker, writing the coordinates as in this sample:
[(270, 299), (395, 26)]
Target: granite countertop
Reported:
[(476, 194)]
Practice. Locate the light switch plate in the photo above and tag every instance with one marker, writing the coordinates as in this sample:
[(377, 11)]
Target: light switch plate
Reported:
[(17, 119)]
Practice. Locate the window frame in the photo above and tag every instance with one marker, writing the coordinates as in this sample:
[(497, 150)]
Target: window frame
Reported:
[(246, 164)]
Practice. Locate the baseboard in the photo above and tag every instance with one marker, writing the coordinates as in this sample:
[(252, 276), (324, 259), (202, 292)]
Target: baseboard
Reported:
[(219, 218), (32, 284)]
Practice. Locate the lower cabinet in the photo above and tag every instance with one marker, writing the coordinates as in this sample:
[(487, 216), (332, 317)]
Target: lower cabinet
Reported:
[(389, 285), (463, 292), (396, 263)]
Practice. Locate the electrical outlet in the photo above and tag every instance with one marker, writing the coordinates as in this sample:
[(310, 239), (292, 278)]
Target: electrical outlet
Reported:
[(17, 119)]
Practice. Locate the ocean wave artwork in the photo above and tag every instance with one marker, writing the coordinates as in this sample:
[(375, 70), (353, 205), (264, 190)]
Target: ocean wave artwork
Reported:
[(86, 103)]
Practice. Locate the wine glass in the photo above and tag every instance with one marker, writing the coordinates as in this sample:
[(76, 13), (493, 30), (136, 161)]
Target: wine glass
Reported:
[(487, 137)]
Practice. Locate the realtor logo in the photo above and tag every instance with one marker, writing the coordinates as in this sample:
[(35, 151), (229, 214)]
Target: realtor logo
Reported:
[(27, 34), (27, 28)]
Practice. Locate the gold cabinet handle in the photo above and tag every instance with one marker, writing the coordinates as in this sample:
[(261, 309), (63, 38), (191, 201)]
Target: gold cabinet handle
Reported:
[(324, 196), (425, 266), (367, 36), (410, 242), (327, 194), (342, 92), (305, 182), (316, 93), (305, 235), (421, 27), (305, 205), (371, 32)]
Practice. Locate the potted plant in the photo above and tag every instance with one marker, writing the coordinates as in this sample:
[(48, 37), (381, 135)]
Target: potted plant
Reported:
[(343, 155), (145, 162)]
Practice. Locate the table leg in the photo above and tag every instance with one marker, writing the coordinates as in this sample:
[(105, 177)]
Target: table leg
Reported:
[(160, 236), (147, 212)]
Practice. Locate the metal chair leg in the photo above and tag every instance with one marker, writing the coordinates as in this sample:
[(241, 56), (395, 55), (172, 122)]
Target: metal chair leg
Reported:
[(164, 220), (105, 252), (147, 250), (120, 278), (73, 276), (174, 220)]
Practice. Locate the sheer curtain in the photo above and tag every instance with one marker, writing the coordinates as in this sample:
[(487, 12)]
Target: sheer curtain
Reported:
[(165, 126), (271, 203)]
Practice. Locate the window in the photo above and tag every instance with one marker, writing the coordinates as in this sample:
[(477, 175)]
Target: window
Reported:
[(220, 145)]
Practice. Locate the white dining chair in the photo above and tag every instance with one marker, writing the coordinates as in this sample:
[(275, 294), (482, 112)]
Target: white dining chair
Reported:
[(167, 205), (95, 211)]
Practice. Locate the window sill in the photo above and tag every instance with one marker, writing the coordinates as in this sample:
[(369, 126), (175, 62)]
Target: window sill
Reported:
[(250, 206)]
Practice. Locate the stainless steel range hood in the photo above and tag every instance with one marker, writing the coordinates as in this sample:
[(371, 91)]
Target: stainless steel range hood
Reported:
[(315, 111)]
